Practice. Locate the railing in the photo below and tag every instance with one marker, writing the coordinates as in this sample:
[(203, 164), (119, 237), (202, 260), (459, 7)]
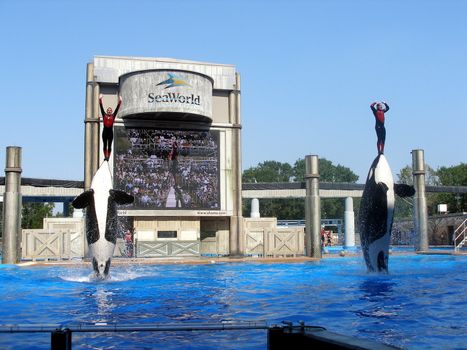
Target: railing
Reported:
[(290, 222), (279, 336), (56, 245), (284, 242), (460, 235), (157, 249)]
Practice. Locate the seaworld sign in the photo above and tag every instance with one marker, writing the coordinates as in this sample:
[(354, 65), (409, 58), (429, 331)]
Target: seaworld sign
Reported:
[(173, 97), (167, 94)]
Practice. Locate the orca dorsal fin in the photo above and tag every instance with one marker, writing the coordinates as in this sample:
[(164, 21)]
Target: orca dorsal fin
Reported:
[(403, 190), (83, 200), (121, 197)]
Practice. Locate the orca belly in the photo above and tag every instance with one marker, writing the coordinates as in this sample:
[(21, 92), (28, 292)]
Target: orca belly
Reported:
[(376, 215), (101, 202)]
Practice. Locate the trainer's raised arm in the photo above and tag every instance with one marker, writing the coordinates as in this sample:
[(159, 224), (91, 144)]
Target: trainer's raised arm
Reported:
[(101, 105)]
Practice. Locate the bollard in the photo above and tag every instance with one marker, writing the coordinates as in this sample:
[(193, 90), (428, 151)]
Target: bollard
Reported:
[(254, 212), (420, 210), (312, 207), (12, 206), (349, 217)]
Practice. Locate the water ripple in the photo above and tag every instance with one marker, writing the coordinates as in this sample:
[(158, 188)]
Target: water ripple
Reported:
[(419, 305)]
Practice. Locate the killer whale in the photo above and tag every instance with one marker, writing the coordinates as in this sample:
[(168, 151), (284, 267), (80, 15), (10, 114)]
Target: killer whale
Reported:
[(101, 202), (377, 212)]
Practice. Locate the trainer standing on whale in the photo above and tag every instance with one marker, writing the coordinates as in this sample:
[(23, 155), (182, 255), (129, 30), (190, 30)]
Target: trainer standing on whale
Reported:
[(376, 213), (379, 114), (101, 201), (107, 132)]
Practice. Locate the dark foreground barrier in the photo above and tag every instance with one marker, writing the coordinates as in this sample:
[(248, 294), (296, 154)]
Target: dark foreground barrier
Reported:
[(312, 337), (282, 336)]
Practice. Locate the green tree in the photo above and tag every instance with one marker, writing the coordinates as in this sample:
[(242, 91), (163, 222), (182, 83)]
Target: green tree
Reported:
[(70, 211), (403, 207), (444, 176), (453, 176), (328, 172), (294, 208), (405, 176), (34, 213), (272, 171), (269, 171)]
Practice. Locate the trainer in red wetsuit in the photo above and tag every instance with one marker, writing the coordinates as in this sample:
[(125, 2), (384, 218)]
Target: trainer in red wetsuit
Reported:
[(107, 133), (379, 112)]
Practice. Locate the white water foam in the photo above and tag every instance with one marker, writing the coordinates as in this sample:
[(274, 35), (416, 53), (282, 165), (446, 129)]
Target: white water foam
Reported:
[(115, 276)]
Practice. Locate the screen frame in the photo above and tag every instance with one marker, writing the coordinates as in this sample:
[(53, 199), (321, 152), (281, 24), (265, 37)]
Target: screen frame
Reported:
[(180, 211)]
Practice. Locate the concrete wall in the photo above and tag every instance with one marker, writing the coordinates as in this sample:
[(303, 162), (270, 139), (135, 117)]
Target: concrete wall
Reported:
[(60, 238), (188, 229), (261, 237), (215, 236)]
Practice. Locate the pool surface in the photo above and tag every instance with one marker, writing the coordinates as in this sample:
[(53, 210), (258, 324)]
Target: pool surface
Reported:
[(421, 304)]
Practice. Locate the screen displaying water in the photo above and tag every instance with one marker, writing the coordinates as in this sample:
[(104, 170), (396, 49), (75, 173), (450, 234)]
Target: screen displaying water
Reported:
[(421, 304)]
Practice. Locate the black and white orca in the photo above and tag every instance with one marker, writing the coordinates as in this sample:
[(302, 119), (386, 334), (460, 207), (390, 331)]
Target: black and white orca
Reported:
[(376, 213), (101, 202)]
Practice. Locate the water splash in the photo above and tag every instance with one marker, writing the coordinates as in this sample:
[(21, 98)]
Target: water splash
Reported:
[(116, 275)]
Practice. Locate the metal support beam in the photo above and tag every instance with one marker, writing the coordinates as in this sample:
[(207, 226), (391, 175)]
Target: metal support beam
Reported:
[(420, 210), (12, 207), (312, 208), (236, 244)]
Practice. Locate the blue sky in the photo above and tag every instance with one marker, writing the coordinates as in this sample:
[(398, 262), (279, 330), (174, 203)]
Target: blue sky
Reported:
[(310, 70)]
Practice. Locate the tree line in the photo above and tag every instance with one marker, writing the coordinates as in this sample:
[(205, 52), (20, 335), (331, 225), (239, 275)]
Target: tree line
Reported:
[(294, 208), (333, 208)]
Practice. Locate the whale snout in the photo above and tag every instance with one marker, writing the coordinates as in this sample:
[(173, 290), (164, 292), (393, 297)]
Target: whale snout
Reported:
[(101, 268)]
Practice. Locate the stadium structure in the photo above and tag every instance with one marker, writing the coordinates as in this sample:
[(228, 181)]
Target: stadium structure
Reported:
[(176, 147)]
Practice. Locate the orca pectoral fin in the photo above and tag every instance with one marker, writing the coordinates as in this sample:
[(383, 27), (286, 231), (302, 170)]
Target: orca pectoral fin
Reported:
[(403, 190), (121, 197), (382, 187), (83, 200)]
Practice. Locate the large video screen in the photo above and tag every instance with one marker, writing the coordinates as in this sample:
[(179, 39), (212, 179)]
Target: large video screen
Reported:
[(168, 169)]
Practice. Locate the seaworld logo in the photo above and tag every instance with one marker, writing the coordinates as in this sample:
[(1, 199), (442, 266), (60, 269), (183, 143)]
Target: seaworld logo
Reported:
[(173, 97), (172, 81)]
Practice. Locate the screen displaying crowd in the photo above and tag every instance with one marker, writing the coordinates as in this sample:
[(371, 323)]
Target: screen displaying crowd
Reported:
[(168, 169)]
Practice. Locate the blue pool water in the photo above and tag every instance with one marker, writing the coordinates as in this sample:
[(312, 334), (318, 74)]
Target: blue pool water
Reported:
[(421, 304)]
